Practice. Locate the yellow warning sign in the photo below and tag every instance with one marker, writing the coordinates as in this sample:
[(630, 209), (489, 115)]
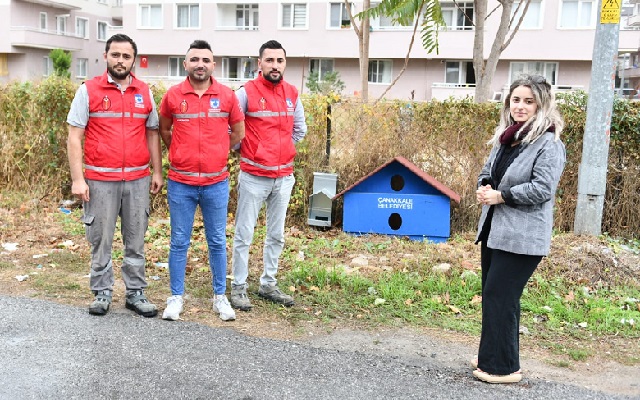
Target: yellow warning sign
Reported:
[(610, 11)]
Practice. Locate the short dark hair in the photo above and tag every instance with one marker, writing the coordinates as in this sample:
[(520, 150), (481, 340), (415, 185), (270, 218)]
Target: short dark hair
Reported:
[(271, 44), (121, 38), (200, 44)]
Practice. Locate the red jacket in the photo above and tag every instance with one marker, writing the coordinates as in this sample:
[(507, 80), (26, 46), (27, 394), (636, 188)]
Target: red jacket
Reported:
[(200, 140), (115, 144), (267, 148)]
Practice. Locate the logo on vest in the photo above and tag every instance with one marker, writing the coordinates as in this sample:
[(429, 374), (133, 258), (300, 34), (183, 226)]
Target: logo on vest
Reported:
[(106, 103), (289, 103), (214, 104), (139, 100), (184, 106), (263, 103)]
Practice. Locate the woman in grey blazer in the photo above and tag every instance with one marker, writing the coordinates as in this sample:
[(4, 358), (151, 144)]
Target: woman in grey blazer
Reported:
[(517, 189)]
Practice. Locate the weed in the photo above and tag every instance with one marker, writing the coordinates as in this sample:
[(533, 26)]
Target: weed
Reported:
[(579, 354)]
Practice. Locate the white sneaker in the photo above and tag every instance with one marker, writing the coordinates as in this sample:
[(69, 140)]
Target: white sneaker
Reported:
[(221, 305), (174, 308)]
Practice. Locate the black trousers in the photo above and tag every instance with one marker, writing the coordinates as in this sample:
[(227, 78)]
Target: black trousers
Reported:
[(504, 276)]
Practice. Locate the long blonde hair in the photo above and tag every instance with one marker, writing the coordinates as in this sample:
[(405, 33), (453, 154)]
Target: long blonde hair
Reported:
[(547, 114)]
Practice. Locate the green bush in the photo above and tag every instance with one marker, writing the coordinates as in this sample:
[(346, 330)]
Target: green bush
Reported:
[(447, 139)]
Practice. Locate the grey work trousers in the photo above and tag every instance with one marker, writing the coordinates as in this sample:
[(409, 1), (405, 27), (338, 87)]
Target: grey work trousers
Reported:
[(130, 201), (253, 191)]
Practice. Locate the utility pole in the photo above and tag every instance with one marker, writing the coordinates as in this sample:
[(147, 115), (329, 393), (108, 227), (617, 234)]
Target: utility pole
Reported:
[(592, 173)]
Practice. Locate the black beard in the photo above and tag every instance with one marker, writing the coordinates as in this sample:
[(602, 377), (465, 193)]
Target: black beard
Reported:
[(273, 80), (202, 78), (117, 75)]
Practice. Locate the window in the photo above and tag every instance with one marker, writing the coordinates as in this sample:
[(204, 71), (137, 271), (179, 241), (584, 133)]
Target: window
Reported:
[(47, 66), (61, 24), (578, 14), (380, 71), (294, 15), (383, 22), (458, 17), (247, 16), (102, 31), (234, 68), (321, 66), (188, 16), (338, 15), (82, 27), (176, 66), (150, 16), (43, 21), (82, 64), (533, 17), (459, 73), (547, 69)]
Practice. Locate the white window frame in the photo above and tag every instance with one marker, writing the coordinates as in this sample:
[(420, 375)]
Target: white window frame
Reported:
[(86, 27), (180, 71), (578, 18), (343, 15), (323, 70), (43, 27), (291, 24), (250, 12), (378, 62), (241, 72), (463, 71), (548, 67), (458, 14), (190, 23), (149, 7), (538, 14), (48, 66), (106, 28), (62, 24), (82, 67)]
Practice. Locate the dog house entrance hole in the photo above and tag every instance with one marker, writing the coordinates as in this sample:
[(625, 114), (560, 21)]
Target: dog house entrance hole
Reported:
[(395, 221), (397, 182)]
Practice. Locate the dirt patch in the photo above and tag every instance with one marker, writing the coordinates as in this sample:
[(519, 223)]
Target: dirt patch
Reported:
[(582, 259)]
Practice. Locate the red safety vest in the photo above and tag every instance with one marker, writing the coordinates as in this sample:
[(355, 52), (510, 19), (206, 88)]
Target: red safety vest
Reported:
[(115, 144), (267, 148), (200, 139)]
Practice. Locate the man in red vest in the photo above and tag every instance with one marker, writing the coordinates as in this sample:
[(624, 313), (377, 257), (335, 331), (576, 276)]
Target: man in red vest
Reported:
[(274, 123), (116, 116), (195, 117)]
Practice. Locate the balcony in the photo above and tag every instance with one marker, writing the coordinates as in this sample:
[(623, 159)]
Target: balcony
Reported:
[(24, 36), (633, 20), (237, 17), (116, 10), (54, 4), (442, 91)]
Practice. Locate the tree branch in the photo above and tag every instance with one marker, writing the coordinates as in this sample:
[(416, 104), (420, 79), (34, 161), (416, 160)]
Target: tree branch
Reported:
[(406, 58), (353, 21), (517, 27)]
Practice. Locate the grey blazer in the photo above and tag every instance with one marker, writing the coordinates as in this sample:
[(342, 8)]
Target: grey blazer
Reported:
[(532, 179)]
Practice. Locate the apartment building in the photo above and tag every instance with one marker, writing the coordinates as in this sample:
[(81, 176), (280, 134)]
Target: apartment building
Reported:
[(556, 40)]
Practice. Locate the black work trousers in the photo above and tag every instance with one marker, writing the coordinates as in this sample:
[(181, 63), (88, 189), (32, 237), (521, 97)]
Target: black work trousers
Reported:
[(504, 276)]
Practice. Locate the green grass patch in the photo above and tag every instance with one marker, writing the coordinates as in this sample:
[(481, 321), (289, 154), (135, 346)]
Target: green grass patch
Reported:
[(415, 295), (71, 223)]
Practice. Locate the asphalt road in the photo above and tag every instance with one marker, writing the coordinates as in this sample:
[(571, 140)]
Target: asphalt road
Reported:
[(52, 351)]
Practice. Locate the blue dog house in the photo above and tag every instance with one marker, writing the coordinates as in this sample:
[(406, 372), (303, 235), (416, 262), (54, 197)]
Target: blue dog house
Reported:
[(399, 199)]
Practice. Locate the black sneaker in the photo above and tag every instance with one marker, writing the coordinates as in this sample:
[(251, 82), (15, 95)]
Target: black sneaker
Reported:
[(138, 302), (101, 303), (274, 294), (239, 299)]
